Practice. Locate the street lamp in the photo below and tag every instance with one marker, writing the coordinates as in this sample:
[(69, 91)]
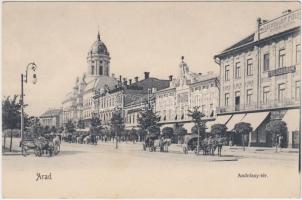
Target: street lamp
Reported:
[(24, 79)]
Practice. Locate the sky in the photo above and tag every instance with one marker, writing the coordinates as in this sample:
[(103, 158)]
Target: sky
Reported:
[(140, 36)]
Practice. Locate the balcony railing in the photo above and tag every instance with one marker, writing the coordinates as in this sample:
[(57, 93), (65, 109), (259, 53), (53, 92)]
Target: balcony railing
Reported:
[(271, 104)]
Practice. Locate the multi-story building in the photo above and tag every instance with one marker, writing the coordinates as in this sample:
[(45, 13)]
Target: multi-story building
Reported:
[(185, 92), (52, 118), (107, 101), (98, 93), (260, 78)]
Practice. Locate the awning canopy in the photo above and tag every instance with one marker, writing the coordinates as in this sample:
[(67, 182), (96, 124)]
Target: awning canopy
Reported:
[(292, 119), (234, 120), (221, 119), (255, 119)]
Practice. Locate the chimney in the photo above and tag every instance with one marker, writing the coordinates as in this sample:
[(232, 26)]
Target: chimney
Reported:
[(130, 81), (286, 12), (125, 81), (258, 21), (146, 75), (170, 77), (120, 78), (136, 79), (113, 75)]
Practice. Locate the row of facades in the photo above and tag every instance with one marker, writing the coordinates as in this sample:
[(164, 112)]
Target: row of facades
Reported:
[(259, 81)]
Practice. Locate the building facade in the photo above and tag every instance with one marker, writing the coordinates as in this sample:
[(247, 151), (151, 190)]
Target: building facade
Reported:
[(260, 78), (125, 96), (52, 118), (185, 92)]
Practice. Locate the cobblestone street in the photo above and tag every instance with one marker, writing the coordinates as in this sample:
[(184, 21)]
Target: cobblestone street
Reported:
[(131, 172)]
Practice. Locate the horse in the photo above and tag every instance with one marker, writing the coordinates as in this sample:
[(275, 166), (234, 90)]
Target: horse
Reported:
[(166, 143), (86, 140)]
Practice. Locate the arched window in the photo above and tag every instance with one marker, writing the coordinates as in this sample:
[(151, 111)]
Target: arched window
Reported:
[(92, 69), (101, 70)]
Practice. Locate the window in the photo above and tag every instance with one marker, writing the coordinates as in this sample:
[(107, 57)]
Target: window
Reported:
[(266, 62), (226, 73), (266, 91), (227, 99), (297, 90), (92, 69), (249, 94), (281, 58), (101, 70), (281, 92), (298, 53), (249, 67), (237, 70)]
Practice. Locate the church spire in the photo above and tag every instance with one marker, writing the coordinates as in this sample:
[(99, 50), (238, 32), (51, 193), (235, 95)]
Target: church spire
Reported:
[(98, 37)]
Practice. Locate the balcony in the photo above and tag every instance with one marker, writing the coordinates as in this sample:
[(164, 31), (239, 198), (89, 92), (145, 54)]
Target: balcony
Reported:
[(271, 104)]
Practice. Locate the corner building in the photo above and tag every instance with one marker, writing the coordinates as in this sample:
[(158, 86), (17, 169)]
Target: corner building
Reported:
[(260, 79)]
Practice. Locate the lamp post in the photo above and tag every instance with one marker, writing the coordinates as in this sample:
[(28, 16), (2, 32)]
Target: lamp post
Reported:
[(24, 79)]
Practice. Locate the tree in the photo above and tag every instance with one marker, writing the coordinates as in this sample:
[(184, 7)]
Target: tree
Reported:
[(117, 125), (278, 128), (11, 116), (81, 124), (201, 127), (95, 124), (243, 129), (69, 127), (148, 119), (168, 132), (219, 129), (35, 126)]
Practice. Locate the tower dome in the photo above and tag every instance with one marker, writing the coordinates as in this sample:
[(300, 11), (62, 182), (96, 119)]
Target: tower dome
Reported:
[(98, 59)]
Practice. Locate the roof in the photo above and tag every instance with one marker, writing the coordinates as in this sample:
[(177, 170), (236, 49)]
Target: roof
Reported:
[(151, 82), (242, 42), (51, 113)]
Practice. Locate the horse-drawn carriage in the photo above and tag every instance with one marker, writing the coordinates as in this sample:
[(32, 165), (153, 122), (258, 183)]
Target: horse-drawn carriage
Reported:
[(154, 142), (207, 145), (42, 145)]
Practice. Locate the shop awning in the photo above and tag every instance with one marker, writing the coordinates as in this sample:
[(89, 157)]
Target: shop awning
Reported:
[(221, 119), (292, 119), (234, 120), (255, 119)]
